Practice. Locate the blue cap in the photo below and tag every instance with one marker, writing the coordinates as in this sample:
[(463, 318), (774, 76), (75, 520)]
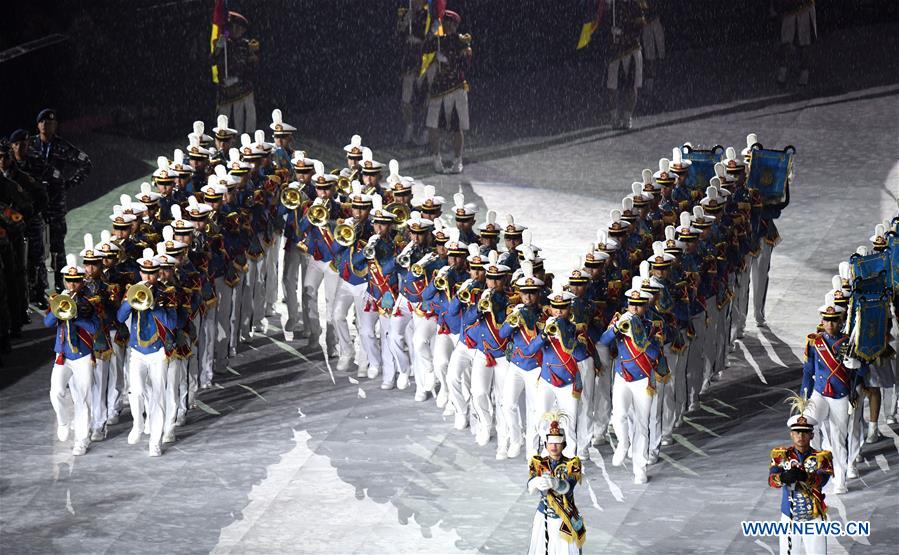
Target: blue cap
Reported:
[(46, 113), (18, 135)]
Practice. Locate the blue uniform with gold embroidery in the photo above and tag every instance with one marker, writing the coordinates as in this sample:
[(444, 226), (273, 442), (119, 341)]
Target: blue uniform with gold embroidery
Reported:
[(639, 355), (818, 376), (74, 338), (151, 329), (522, 336), (439, 302), (559, 356), (807, 502)]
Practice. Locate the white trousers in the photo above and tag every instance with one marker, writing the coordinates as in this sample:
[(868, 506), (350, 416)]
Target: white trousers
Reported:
[(76, 375), (99, 394), (520, 383), (175, 394), (443, 349), (602, 394), (423, 332), (148, 384), (671, 396), (116, 386), (585, 417), (458, 376), (546, 396), (272, 265), (740, 304), (206, 344), (222, 319), (400, 338), (342, 302), (388, 362), (366, 326), (319, 272), (252, 300), (696, 359), (834, 422), (294, 265), (801, 544), (237, 306), (630, 399), (241, 113), (710, 341), (758, 280), (486, 382), (544, 529)]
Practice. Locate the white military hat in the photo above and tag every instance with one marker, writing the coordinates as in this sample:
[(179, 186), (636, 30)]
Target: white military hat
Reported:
[(278, 127)]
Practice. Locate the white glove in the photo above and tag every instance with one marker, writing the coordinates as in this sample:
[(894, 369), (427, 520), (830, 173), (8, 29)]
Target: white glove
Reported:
[(485, 294), (465, 284), (349, 221), (373, 240), (407, 249), (318, 201), (444, 271)]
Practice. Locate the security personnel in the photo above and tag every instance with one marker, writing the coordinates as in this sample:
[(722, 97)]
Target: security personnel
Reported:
[(25, 172), (625, 69), (831, 382), (801, 472), (236, 97), (520, 379), (74, 363), (639, 361), (151, 342), (17, 208), (412, 28), (558, 527), (64, 167)]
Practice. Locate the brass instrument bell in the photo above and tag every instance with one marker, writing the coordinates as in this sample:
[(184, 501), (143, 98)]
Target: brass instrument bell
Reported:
[(345, 234), (318, 215), (291, 198), (63, 307), (140, 297)]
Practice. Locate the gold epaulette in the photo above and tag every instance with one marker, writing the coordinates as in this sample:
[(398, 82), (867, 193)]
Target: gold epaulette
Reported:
[(777, 454), (535, 466), (574, 469)]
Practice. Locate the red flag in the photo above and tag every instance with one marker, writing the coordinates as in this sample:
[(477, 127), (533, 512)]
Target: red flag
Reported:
[(219, 25)]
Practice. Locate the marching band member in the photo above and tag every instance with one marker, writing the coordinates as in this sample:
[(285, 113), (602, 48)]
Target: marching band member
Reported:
[(115, 281), (224, 141), (831, 381), (692, 264), (76, 324), (488, 368), (319, 239), (464, 308), (560, 350), (512, 237), (558, 527), (521, 326), (413, 279), (371, 173), (801, 472), (96, 291), (639, 361), (583, 315), (595, 263), (176, 372), (488, 233), (380, 255), (464, 214), (439, 294), (150, 342), (353, 282)]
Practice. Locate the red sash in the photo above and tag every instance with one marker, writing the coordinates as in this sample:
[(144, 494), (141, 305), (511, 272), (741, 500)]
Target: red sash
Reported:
[(566, 358), (494, 332), (379, 280), (639, 357), (836, 368)]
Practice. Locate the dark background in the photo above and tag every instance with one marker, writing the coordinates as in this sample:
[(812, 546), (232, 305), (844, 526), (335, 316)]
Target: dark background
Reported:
[(142, 63)]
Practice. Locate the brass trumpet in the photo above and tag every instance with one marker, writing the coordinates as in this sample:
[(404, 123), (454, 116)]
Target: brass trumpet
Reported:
[(418, 269), (345, 234), (485, 305), (623, 325), (551, 327), (344, 185), (404, 259), (467, 294), (63, 307), (514, 318), (369, 251), (441, 282), (318, 215), (400, 210), (140, 297), (291, 198)]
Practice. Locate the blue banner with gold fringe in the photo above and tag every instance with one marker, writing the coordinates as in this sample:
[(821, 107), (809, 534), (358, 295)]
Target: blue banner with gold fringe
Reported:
[(769, 170), (702, 165)]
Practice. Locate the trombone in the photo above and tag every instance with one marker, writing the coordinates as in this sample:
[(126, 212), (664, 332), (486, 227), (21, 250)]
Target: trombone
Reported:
[(140, 297), (318, 215), (63, 307), (345, 234), (291, 198)]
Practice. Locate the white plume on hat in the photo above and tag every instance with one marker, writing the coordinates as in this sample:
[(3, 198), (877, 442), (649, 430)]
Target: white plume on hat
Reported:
[(428, 190), (627, 204), (647, 176), (637, 188), (669, 233), (233, 155), (658, 247), (491, 217), (836, 283), (452, 234), (168, 233), (377, 202), (176, 212), (644, 270), (699, 213), (677, 156), (148, 253), (664, 165), (356, 141), (685, 219), (105, 236), (71, 260), (394, 168), (526, 237), (178, 157), (162, 162), (731, 153), (222, 121), (459, 201), (125, 202), (527, 268), (260, 137), (145, 188), (276, 116), (492, 257), (221, 172), (245, 140), (88, 241), (720, 172), (862, 250), (751, 139), (319, 167), (160, 249), (199, 128), (474, 250), (356, 187)]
